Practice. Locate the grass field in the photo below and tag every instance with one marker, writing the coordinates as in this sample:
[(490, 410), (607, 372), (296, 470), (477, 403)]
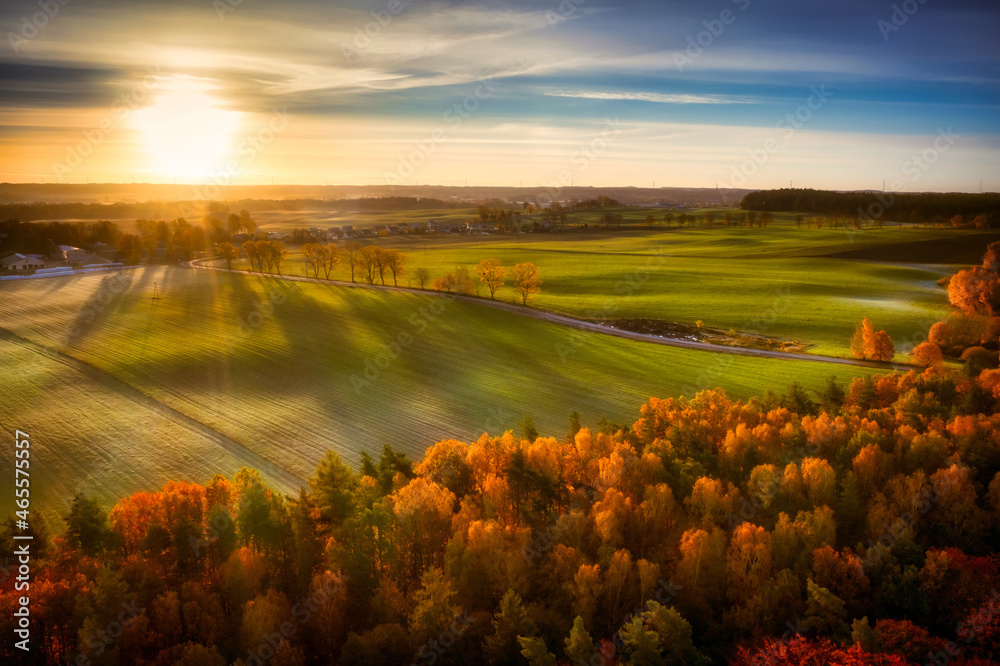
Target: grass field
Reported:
[(286, 221), (278, 372), (91, 434), (728, 278)]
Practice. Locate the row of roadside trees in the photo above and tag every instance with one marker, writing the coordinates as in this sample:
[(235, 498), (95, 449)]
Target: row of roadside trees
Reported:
[(493, 275), (372, 263), (265, 256)]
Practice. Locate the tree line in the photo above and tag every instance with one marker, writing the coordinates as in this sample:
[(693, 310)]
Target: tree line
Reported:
[(265, 256), (196, 209), (970, 333), (492, 275), (179, 238), (374, 264), (913, 208), (861, 526)]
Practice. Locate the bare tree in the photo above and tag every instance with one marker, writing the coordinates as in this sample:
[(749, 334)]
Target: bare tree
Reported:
[(368, 262), (423, 276), (352, 253), (395, 261), (331, 259), (312, 254)]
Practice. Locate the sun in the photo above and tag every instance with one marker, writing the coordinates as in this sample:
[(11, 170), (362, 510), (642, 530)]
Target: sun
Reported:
[(186, 133)]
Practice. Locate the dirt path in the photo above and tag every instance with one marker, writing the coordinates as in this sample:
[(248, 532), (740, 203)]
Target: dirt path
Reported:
[(579, 324), (251, 458)]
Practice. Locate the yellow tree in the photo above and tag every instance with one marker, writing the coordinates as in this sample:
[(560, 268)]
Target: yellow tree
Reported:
[(278, 253), (882, 348), (526, 281), (701, 570), (463, 281), (928, 355), (250, 249), (130, 247), (229, 254), (870, 345), (491, 273), (395, 262), (446, 284), (423, 511), (749, 561), (859, 342)]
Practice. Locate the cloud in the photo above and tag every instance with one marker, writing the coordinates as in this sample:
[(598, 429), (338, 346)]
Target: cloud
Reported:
[(658, 98)]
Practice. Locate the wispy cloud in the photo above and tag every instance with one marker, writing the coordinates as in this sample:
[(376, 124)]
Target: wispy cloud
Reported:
[(658, 98), (563, 66)]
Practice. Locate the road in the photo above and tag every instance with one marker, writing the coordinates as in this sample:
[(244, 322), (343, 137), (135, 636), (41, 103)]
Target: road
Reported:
[(578, 324)]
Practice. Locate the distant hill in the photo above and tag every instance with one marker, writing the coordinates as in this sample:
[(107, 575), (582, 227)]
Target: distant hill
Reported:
[(28, 202)]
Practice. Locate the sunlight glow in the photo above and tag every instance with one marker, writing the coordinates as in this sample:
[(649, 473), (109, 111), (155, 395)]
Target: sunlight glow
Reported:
[(186, 133)]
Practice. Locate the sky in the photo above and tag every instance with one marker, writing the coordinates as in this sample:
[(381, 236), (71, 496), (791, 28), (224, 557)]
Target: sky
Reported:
[(832, 94)]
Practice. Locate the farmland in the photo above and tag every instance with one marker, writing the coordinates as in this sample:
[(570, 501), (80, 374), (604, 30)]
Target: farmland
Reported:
[(728, 278), (279, 371), (229, 370)]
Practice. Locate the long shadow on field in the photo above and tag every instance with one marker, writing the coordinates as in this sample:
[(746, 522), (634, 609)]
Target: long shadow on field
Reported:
[(295, 303), (238, 319), (103, 304)]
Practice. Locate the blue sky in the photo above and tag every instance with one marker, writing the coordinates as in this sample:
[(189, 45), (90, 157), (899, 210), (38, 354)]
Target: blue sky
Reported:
[(156, 92)]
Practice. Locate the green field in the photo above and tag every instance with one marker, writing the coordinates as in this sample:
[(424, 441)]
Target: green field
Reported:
[(136, 382), (286, 221), (728, 278)]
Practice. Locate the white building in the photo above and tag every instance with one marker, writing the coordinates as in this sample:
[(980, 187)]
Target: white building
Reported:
[(22, 262)]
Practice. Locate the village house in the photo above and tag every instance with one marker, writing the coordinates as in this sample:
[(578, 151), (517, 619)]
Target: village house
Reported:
[(22, 263)]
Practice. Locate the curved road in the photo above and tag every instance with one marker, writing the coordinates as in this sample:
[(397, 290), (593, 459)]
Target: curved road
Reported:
[(571, 322)]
